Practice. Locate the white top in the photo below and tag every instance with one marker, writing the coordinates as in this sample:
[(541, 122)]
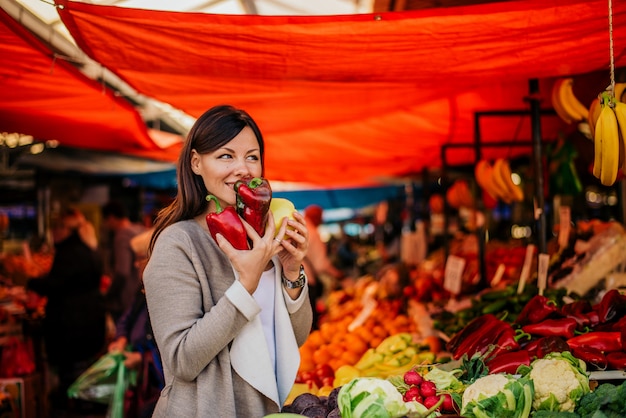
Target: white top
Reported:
[(264, 295)]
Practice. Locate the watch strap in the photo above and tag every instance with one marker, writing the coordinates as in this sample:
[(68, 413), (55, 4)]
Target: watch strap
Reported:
[(298, 283)]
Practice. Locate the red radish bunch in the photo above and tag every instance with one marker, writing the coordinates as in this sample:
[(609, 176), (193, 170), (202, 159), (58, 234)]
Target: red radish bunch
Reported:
[(425, 392)]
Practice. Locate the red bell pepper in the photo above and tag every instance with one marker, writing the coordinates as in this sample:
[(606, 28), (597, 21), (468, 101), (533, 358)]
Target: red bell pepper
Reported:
[(253, 202), (605, 341), (592, 356), (536, 310), (562, 327), (617, 360), (508, 362), (228, 223), (612, 306)]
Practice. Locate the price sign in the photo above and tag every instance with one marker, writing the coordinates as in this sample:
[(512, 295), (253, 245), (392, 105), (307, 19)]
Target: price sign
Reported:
[(565, 225), (528, 261), (542, 272), (453, 276)]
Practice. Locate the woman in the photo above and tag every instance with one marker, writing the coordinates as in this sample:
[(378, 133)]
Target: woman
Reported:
[(227, 322)]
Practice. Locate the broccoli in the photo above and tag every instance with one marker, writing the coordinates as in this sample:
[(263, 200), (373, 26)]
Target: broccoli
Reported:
[(607, 401)]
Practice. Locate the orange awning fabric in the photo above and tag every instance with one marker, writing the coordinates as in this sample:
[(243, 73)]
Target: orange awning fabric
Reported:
[(350, 100), (51, 100)]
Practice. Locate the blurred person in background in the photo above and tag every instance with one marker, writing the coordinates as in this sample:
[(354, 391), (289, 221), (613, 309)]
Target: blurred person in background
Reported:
[(133, 338), (74, 322), (323, 276), (124, 276)]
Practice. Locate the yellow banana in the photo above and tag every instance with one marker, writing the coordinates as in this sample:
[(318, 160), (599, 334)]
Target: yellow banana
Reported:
[(556, 102), (499, 182), (620, 113), (608, 135), (516, 192), (570, 103), (482, 172)]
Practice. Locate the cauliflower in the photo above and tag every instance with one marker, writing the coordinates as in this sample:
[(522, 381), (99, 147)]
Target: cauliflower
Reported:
[(498, 395), (560, 381)]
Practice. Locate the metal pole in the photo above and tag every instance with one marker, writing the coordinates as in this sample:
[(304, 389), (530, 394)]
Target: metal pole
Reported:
[(540, 215)]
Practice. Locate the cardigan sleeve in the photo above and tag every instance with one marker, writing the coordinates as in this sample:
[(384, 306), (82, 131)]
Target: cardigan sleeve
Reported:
[(185, 281)]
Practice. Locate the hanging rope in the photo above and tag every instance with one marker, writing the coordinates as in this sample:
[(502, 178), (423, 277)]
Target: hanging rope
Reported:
[(611, 56)]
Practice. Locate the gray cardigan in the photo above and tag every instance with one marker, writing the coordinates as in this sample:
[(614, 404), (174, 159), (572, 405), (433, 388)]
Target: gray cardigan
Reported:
[(208, 331)]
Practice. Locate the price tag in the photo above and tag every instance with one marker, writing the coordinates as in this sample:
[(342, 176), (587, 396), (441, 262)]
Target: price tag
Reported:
[(453, 275), (497, 277), (565, 225), (542, 273), (528, 261)]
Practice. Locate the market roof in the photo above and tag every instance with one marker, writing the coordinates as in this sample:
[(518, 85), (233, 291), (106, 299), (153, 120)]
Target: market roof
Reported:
[(350, 99)]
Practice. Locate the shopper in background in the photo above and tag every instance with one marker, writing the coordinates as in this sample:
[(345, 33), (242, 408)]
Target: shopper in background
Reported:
[(134, 338), (124, 277), (228, 322), (74, 323), (322, 274)]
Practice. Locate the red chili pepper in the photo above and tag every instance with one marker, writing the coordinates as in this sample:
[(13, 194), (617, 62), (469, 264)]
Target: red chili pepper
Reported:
[(470, 332), (228, 223), (592, 356), (485, 337), (612, 306), (508, 362), (605, 341), (253, 202), (536, 310), (617, 360), (562, 327)]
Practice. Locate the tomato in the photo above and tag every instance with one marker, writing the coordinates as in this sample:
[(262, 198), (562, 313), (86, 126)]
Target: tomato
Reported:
[(324, 370)]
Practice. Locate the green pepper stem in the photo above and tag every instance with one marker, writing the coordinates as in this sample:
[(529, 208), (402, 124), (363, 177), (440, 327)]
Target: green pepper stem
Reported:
[(255, 182), (218, 207)]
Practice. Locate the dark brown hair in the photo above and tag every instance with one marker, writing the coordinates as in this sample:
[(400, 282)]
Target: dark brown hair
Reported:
[(214, 129)]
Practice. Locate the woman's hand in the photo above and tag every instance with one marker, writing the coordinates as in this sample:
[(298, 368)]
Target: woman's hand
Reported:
[(118, 345), (294, 245), (251, 263), (133, 359)]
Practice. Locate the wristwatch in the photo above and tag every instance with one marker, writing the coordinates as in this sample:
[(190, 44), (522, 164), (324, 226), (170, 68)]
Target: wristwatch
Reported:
[(300, 281)]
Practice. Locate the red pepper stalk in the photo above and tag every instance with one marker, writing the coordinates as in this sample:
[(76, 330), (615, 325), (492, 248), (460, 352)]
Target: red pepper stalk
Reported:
[(253, 202), (228, 223)]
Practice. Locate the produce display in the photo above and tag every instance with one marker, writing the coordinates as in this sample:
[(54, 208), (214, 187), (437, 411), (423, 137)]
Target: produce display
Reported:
[(504, 351)]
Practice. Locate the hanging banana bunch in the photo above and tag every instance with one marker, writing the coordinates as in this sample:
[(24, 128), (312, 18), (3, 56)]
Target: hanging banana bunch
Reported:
[(609, 134), (566, 104), (497, 182)]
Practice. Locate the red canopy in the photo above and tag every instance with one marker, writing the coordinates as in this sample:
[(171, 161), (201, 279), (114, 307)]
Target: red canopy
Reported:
[(51, 100), (350, 100)]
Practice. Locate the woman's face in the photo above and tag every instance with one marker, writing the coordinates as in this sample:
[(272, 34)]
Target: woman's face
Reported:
[(221, 169)]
